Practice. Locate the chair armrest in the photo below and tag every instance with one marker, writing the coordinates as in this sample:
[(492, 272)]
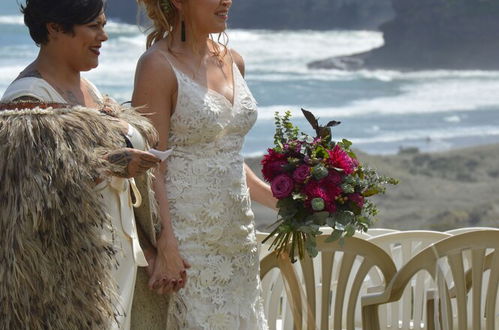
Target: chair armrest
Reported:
[(370, 303), (375, 289)]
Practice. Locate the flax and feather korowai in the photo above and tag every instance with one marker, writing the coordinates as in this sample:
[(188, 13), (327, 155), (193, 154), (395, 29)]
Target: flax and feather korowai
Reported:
[(55, 263)]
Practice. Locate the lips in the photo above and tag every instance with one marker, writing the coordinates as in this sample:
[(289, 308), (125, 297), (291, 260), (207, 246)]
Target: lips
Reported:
[(95, 50), (222, 14)]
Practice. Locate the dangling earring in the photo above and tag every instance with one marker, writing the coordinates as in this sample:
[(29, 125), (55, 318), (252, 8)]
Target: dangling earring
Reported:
[(182, 31)]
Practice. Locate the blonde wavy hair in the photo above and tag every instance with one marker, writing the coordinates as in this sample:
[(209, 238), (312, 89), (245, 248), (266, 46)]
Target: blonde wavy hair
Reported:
[(164, 17)]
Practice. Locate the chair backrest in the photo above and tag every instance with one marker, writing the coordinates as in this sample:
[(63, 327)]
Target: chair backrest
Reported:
[(448, 254), (380, 231), (331, 282), (463, 230), (276, 302), (408, 312), (359, 234), (281, 295)]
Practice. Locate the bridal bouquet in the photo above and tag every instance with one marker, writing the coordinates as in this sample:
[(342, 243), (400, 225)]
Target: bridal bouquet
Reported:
[(318, 182)]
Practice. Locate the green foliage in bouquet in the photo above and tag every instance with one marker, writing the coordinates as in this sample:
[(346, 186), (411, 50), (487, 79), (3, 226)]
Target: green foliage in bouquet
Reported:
[(318, 183)]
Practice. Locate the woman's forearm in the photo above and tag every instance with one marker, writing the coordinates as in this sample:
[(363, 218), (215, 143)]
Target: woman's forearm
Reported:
[(166, 238), (259, 190)]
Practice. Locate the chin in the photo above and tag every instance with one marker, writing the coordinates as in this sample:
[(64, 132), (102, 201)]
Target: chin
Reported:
[(88, 67), (220, 30)]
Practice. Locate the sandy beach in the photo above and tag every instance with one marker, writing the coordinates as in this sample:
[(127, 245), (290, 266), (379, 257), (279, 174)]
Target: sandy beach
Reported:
[(437, 191)]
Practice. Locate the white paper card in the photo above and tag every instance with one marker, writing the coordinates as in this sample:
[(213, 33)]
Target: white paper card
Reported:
[(161, 154)]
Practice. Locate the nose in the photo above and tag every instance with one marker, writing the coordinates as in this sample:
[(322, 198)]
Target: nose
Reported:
[(104, 36), (226, 3)]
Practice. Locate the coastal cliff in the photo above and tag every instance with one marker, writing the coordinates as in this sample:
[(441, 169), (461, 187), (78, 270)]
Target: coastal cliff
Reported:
[(432, 34), (295, 14)]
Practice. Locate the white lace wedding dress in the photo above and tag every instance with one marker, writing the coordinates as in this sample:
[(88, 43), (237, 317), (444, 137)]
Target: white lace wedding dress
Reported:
[(210, 206)]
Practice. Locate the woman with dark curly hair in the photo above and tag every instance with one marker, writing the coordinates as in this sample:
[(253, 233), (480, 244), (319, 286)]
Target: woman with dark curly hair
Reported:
[(70, 34)]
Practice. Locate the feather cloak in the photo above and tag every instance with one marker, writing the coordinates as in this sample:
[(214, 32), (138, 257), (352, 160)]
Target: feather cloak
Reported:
[(54, 261)]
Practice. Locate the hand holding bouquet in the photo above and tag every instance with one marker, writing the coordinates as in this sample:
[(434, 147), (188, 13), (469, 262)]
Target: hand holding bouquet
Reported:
[(318, 182)]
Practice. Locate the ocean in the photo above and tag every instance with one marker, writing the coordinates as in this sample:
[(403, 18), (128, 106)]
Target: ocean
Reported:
[(382, 111)]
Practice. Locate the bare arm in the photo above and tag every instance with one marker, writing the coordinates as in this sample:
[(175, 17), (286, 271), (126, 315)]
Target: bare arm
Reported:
[(259, 191), (155, 83)]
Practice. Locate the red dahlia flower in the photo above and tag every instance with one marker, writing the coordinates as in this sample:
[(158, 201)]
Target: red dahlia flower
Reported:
[(339, 158)]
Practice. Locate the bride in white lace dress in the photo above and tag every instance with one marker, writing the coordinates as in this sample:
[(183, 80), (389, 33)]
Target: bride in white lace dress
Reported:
[(194, 89)]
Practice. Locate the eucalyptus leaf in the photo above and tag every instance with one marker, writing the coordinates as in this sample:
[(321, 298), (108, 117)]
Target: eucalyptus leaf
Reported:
[(305, 229), (311, 246), (371, 192), (347, 188), (349, 230), (339, 226), (335, 235), (346, 143), (319, 218), (343, 217)]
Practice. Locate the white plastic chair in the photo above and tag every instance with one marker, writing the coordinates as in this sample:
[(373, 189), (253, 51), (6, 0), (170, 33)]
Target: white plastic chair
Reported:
[(408, 312), (454, 291)]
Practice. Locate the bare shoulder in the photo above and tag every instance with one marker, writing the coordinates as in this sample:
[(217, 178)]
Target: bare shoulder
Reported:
[(155, 84), (155, 67), (238, 59)]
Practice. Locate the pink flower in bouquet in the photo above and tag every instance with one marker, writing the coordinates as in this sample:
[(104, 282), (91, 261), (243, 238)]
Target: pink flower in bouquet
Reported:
[(322, 189), (273, 169), (334, 178), (357, 199), (333, 191), (298, 146), (282, 186), (272, 156), (272, 164), (331, 184), (301, 173), (355, 162), (313, 189), (339, 158)]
